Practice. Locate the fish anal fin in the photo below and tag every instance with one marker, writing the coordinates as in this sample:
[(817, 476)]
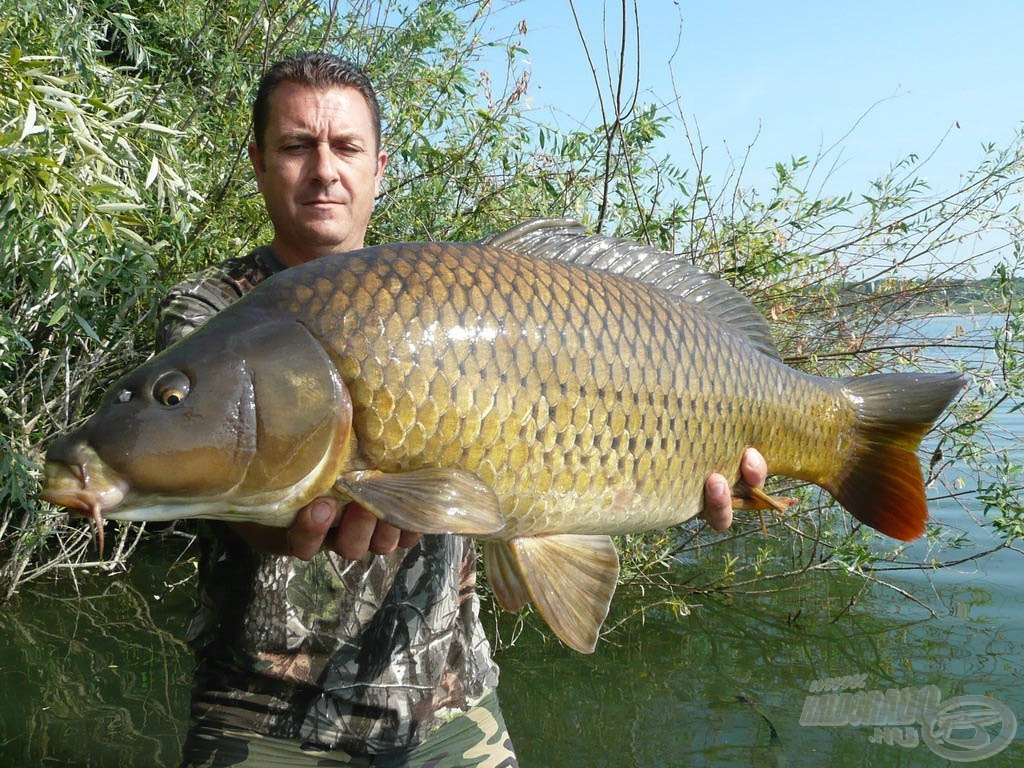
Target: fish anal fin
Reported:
[(570, 579), (503, 576), (429, 500)]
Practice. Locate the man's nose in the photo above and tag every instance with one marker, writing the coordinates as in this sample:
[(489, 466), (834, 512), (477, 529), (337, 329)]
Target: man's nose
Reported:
[(325, 164)]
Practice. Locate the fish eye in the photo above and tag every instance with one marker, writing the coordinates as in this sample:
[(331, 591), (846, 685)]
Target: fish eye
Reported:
[(171, 388), (124, 396)]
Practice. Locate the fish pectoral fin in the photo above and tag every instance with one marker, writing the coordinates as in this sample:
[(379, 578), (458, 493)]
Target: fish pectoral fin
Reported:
[(755, 499), (571, 579), (430, 500)]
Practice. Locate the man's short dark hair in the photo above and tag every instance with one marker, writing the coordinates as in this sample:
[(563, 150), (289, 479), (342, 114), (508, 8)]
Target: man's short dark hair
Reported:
[(317, 70)]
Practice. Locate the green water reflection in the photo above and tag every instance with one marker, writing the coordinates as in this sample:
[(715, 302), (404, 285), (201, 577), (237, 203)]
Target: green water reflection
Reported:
[(102, 679), (727, 685), (98, 678)]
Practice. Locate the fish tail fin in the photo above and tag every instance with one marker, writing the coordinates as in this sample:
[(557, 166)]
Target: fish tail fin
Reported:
[(882, 485)]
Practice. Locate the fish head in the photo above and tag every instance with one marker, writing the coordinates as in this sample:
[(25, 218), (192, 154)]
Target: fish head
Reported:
[(246, 419)]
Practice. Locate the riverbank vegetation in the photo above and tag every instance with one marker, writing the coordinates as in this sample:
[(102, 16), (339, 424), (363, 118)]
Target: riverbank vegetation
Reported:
[(950, 296), (123, 168)]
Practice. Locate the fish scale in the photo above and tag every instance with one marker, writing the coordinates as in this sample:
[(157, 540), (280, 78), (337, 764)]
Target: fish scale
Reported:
[(632, 366), (494, 390)]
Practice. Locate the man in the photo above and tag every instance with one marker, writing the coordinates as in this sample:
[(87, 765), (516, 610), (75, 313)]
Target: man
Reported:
[(341, 640)]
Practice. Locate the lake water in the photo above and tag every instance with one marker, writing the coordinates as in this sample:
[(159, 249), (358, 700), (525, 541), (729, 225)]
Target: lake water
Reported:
[(100, 678)]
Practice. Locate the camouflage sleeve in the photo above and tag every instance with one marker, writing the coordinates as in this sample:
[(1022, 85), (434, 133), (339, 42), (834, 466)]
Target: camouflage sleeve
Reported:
[(191, 303)]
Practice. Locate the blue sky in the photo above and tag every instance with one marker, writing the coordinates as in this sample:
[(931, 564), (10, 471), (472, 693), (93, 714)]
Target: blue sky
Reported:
[(794, 78)]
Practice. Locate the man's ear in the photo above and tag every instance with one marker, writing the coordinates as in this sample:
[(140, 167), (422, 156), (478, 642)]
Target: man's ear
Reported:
[(382, 162), (256, 158)]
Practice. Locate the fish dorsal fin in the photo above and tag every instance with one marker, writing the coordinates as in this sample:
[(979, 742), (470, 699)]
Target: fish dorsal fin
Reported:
[(567, 240), (429, 500), (570, 578)]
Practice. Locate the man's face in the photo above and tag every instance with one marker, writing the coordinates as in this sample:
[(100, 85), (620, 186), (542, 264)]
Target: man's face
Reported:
[(319, 170)]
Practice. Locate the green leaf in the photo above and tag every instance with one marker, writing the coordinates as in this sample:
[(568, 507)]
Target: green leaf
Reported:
[(85, 326), (58, 315)]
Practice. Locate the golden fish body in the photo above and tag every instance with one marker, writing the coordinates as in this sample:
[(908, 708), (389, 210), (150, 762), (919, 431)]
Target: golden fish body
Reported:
[(467, 388), (590, 404)]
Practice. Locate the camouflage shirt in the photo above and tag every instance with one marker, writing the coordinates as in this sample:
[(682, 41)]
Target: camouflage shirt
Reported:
[(366, 656)]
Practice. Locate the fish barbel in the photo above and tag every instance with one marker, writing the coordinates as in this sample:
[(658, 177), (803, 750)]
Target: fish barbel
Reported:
[(482, 389)]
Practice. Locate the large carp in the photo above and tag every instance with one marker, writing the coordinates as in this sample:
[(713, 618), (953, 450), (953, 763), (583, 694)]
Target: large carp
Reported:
[(482, 389)]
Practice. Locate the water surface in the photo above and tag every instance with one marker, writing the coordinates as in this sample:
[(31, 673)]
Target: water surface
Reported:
[(99, 677)]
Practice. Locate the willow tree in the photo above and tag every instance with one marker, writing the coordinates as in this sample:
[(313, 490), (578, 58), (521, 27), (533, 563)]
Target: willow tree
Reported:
[(123, 167)]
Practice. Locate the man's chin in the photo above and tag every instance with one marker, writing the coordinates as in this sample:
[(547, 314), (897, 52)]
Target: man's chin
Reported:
[(320, 238)]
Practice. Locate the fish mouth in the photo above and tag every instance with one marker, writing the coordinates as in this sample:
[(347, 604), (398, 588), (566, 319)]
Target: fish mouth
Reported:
[(86, 489)]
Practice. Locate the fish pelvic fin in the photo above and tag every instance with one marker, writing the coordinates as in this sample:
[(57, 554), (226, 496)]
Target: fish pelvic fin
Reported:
[(430, 500), (882, 485), (570, 578)]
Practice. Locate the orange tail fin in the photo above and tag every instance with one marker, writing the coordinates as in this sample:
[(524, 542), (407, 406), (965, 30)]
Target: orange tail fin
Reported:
[(883, 486)]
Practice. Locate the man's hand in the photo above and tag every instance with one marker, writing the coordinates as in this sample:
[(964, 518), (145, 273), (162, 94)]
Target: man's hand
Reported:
[(323, 524), (718, 494)]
